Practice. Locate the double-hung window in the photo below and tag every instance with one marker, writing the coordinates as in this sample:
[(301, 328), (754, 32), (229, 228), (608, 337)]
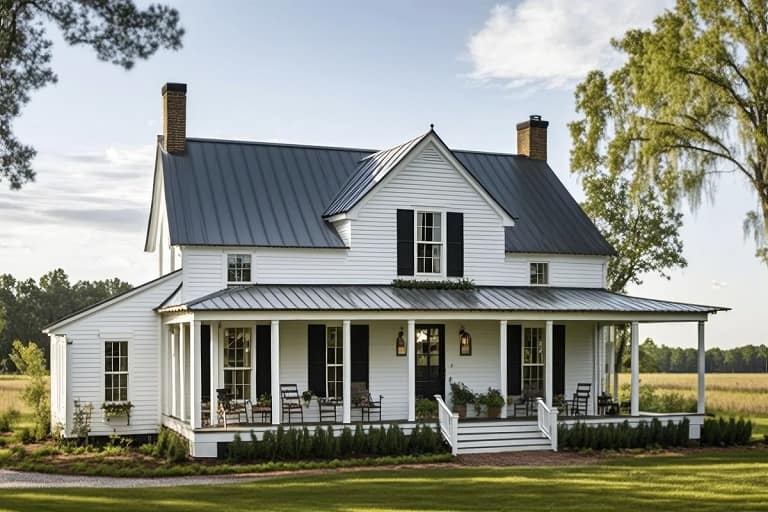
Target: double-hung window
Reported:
[(238, 268), (429, 242), (237, 362), (115, 371), (533, 359), (334, 358), (539, 273)]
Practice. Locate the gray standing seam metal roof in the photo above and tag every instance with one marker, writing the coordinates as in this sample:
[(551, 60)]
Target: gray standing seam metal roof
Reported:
[(274, 195), (389, 298)]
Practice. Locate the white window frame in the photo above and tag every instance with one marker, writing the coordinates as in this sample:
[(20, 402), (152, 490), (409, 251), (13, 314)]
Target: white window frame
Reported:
[(127, 372), (540, 365), (251, 357), (226, 267), (338, 364), (546, 273), (443, 251)]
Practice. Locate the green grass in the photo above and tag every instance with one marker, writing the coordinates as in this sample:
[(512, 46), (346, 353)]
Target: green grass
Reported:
[(705, 480)]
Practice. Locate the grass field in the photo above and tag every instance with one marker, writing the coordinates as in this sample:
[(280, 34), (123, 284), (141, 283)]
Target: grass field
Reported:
[(11, 387), (705, 480)]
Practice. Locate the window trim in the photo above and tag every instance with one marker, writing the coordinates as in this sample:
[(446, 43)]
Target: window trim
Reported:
[(251, 360), (443, 243), (227, 254), (115, 338), (542, 365), (340, 335), (546, 272)]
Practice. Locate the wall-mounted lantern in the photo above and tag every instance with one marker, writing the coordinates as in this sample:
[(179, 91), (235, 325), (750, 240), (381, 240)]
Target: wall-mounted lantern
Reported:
[(400, 347), (465, 342)]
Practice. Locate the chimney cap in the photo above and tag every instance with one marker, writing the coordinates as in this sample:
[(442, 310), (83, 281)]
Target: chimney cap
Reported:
[(534, 121), (174, 87)]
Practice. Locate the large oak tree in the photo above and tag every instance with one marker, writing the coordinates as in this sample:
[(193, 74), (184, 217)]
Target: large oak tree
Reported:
[(117, 30)]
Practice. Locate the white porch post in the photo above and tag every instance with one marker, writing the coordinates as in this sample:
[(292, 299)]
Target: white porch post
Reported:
[(346, 349), (635, 364), (182, 373), (214, 359), (195, 358), (411, 349), (595, 366), (174, 371), (548, 364), (614, 372), (701, 403), (275, 369), (611, 362), (503, 365)]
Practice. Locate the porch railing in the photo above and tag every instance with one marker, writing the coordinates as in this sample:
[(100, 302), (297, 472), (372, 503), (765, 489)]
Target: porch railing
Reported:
[(449, 424), (547, 419)]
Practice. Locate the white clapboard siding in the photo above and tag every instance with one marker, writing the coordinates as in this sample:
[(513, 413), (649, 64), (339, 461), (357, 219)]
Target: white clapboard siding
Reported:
[(579, 359), (131, 318), (429, 182)]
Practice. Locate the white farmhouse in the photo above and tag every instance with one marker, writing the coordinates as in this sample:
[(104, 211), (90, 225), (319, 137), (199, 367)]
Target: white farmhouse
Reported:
[(340, 273)]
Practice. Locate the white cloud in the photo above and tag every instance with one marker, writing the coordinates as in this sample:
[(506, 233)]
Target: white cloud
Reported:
[(554, 43), (717, 285)]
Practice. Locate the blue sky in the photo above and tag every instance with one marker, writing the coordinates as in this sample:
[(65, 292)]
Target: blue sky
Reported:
[(341, 73)]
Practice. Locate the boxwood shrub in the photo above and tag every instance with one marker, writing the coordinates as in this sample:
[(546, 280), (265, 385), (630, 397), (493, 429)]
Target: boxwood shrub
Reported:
[(722, 432), (620, 436)]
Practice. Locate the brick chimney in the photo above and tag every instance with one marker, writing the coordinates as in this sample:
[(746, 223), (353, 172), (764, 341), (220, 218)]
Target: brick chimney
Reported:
[(532, 138), (174, 117)]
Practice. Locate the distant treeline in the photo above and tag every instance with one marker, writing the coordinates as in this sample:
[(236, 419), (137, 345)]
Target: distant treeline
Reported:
[(664, 359), (27, 306)]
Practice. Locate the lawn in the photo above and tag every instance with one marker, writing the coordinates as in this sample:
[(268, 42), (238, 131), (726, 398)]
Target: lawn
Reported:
[(713, 479)]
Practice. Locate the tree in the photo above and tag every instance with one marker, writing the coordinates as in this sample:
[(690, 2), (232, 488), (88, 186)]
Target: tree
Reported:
[(694, 104), (642, 228), (30, 361), (117, 30)]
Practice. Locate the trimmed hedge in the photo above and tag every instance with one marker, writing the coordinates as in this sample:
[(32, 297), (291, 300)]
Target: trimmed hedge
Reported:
[(620, 436), (322, 444), (722, 432), (171, 446)]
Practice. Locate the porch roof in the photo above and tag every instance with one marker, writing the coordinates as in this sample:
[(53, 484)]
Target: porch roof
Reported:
[(277, 297)]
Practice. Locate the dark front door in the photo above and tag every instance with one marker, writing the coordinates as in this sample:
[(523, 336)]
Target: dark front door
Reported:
[(430, 360)]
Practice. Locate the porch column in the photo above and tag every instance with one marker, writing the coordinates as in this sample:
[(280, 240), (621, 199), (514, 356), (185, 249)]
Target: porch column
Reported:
[(182, 373), (195, 416), (346, 365), (214, 359), (612, 362), (614, 370), (701, 403), (275, 369), (503, 365), (174, 371), (411, 349), (635, 366), (548, 364), (595, 366)]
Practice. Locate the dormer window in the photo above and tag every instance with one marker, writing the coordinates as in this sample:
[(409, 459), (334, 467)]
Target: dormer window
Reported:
[(429, 242), (238, 268), (539, 273)]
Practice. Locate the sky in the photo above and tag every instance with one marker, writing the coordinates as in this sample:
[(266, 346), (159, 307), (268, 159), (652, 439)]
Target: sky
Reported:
[(343, 73)]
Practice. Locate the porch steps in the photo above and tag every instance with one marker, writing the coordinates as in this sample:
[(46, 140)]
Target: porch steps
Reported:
[(500, 436)]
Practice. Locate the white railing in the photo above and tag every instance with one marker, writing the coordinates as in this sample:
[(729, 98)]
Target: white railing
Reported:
[(449, 424), (547, 419)]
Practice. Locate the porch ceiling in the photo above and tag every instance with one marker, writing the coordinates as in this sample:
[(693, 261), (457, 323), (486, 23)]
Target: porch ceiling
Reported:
[(389, 298)]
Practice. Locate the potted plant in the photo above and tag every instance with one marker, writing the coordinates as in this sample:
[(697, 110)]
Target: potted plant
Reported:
[(117, 410), (307, 397), (264, 400), (494, 401), (461, 395), (426, 409)]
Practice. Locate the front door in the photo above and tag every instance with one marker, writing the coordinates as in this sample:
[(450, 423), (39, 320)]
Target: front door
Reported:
[(430, 360)]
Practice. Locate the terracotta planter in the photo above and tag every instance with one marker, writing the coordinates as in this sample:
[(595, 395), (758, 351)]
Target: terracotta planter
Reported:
[(460, 409), (494, 412)]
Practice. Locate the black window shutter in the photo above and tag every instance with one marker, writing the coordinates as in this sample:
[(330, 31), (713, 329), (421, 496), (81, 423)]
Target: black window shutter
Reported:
[(454, 244), (405, 237), (316, 362), (263, 360), (558, 360), (205, 362), (514, 359), (359, 349)]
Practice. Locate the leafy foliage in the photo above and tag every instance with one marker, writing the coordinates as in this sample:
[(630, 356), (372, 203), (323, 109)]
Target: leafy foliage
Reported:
[(171, 446), (621, 436), (664, 359), (652, 400), (447, 284), (29, 306), (117, 30), (722, 432), (687, 107), (30, 361), (8, 419)]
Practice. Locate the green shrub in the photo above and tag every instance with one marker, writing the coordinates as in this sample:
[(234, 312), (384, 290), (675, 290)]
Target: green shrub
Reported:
[(722, 432), (26, 436), (171, 446), (8, 419), (622, 436), (655, 401), (426, 409)]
